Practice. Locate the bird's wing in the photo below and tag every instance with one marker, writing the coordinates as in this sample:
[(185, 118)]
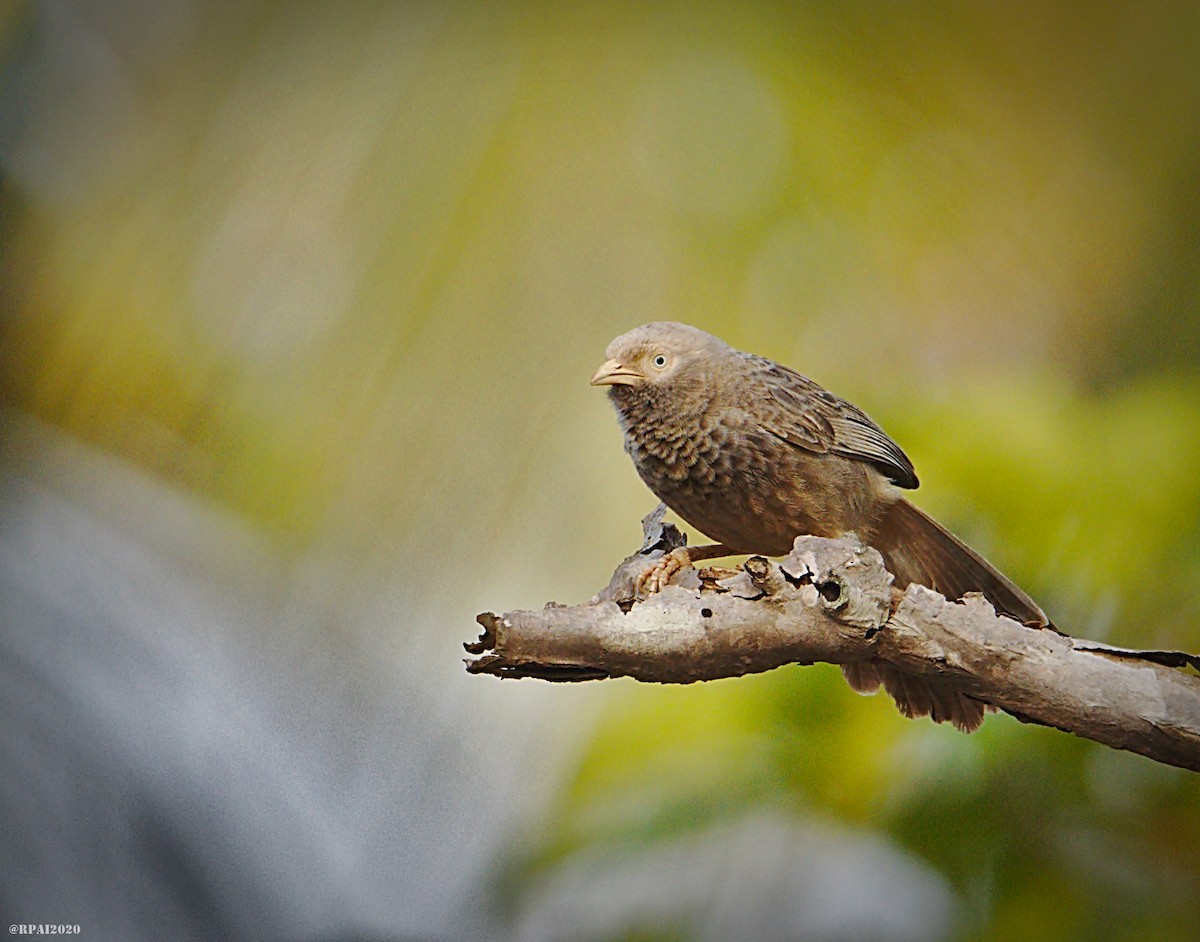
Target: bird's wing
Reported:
[(809, 416)]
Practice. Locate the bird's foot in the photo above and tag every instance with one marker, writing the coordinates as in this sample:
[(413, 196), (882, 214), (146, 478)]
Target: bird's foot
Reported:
[(644, 573), (658, 576)]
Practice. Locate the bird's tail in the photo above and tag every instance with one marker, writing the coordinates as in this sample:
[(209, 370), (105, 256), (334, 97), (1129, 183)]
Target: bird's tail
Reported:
[(917, 549)]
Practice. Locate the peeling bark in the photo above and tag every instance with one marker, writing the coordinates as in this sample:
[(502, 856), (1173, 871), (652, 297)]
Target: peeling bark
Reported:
[(832, 601)]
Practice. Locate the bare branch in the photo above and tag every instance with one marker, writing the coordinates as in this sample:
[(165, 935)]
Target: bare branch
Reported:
[(831, 600)]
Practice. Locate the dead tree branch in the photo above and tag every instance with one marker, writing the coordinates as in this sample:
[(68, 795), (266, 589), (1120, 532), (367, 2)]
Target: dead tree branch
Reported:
[(831, 600)]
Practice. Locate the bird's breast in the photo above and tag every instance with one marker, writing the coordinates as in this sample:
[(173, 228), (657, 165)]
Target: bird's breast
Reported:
[(744, 487)]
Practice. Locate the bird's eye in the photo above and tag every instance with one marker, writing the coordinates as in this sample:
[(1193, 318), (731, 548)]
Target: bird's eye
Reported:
[(659, 361)]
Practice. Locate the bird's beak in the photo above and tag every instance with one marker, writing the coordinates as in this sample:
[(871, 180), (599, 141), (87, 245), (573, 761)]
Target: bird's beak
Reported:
[(612, 373)]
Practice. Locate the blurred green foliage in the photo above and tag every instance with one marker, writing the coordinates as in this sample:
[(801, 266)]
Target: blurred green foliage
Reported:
[(345, 269)]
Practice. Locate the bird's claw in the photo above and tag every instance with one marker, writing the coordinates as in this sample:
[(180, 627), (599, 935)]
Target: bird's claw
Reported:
[(659, 575)]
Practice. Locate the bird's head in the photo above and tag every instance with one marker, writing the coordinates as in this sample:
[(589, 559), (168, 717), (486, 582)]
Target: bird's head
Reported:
[(659, 361)]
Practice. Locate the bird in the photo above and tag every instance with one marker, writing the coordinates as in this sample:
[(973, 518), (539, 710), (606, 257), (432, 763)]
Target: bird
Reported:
[(753, 454)]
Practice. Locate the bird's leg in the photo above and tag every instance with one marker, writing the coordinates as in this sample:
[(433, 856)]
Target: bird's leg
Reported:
[(656, 578)]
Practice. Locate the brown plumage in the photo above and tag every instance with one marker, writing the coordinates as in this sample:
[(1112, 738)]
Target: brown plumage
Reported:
[(753, 454)]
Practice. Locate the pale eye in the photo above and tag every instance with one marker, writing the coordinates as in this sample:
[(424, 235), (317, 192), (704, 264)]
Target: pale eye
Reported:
[(659, 361)]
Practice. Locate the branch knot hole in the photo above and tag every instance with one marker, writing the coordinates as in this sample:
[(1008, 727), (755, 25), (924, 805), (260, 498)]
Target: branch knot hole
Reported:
[(832, 593)]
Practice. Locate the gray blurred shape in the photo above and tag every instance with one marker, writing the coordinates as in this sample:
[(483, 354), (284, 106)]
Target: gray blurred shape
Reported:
[(193, 747), (768, 878)]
